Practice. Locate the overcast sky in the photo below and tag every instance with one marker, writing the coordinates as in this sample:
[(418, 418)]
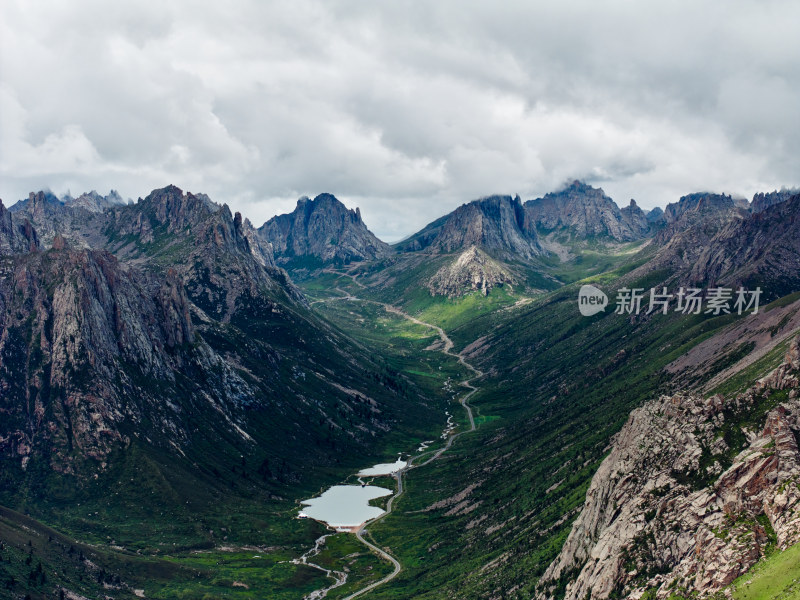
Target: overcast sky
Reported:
[(406, 109)]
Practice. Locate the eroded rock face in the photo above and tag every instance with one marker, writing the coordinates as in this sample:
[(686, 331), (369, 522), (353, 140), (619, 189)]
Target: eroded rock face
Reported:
[(70, 320), (472, 270), (223, 260), (496, 223), (175, 330), (89, 343), (675, 507), (692, 207), (762, 246), (763, 201), (16, 234), (584, 211), (323, 228)]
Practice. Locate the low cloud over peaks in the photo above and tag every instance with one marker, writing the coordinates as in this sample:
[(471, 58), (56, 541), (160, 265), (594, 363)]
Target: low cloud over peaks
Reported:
[(406, 111)]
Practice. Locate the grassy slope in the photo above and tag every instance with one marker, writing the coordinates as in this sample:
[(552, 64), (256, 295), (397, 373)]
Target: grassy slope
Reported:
[(546, 411), (776, 577), (96, 570)]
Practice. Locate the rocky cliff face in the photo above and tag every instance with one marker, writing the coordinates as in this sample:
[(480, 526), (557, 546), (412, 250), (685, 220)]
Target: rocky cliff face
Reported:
[(48, 216), (692, 493), (760, 249), (693, 207), (763, 201), (496, 223), (635, 219), (169, 207), (325, 229), (74, 219), (37, 204), (70, 319), (584, 211), (16, 234), (472, 270)]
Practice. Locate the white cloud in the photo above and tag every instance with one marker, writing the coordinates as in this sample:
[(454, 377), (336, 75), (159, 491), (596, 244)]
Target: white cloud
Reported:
[(405, 109)]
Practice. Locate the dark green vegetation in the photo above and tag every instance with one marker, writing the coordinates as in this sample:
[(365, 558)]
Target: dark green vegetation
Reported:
[(231, 399), (36, 560), (492, 513), (344, 551), (485, 519), (278, 398)]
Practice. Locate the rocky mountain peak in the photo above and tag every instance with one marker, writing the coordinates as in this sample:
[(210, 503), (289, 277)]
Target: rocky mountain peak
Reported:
[(576, 186), (323, 228), (229, 232), (734, 247), (656, 215), (699, 216), (94, 202), (693, 206), (495, 223), (763, 201), (177, 210), (584, 211), (635, 219), (38, 205), (48, 215), (472, 270)]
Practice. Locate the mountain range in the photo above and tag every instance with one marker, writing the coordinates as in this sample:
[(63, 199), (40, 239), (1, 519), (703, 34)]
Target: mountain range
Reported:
[(173, 379), (324, 232)]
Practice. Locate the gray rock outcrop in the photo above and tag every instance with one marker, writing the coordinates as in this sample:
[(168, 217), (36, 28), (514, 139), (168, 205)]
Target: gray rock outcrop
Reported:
[(586, 212), (495, 223), (325, 229), (473, 270), (678, 505), (16, 234), (763, 201)]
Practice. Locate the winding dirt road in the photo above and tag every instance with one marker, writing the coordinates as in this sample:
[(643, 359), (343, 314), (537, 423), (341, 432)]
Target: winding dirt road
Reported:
[(447, 349)]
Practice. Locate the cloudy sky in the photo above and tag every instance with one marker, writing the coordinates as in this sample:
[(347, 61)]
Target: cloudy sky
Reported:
[(406, 109)]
